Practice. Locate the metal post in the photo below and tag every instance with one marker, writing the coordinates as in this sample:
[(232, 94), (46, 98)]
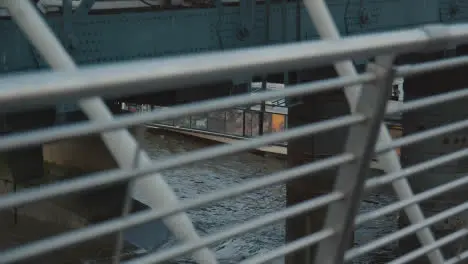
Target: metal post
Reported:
[(261, 115), (351, 176), (284, 17), (152, 190), (251, 123), (298, 20), (15, 209), (225, 122), (324, 24), (243, 123), (67, 13), (128, 202)]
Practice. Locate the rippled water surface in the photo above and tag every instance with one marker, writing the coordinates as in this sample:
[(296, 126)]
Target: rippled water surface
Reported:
[(202, 178), (212, 175)]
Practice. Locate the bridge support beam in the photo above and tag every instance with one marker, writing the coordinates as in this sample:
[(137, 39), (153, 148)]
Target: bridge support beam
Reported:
[(436, 82), (313, 109)]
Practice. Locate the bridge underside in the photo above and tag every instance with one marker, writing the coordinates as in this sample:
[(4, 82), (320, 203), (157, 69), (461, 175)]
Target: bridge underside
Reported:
[(188, 95)]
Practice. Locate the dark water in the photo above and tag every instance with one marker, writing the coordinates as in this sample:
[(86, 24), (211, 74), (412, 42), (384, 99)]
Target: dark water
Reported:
[(205, 177)]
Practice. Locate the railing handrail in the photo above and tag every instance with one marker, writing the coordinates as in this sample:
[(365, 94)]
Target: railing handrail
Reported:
[(171, 73), (367, 112)]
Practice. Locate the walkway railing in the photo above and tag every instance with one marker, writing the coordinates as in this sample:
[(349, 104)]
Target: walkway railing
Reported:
[(369, 107), (238, 122)]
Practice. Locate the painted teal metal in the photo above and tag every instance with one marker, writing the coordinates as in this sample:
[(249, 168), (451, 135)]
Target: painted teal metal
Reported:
[(129, 35), (101, 38)]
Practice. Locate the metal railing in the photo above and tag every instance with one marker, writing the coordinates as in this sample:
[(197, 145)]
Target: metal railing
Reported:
[(237, 123), (369, 107)]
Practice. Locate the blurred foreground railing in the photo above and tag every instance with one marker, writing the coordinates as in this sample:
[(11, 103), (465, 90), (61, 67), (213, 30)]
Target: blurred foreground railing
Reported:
[(49, 88)]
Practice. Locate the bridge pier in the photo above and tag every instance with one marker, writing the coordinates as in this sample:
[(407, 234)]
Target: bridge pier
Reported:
[(65, 159), (314, 108), (436, 82), (32, 155), (77, 156), (55, 161)]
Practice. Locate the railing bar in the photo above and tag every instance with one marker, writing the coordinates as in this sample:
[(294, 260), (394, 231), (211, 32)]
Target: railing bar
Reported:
[(326, 27), (128, 200), (362, 218), (162, 74), (428, 101), (414, 69), (201, 131), (437, 244), (424, 135), (378, 243), (72, 237), (83, 128), (459, 258), (291, 247), (103, 178), (119, 142), (414, 169), (114, 225), (351, 177), (240, 229)]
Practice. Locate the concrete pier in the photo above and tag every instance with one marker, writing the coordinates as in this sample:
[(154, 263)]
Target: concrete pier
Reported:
[(420, 86), (308, 149), (78, 156), (55, 161), (32, 155)]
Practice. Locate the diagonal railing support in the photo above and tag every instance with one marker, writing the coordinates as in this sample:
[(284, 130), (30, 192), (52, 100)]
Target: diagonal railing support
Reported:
[(351, 176), (152, 189), (326, 27)]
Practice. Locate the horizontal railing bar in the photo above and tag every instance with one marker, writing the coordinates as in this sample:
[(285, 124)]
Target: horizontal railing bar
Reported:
[(75, 236), (291, 247), (162, 74), (240, 229), (428, 101), (22, 139), (111, 226), (457, 259), (426, 249), (101, 179), (423, 135), (201, 131), (425, 67), (365, 217), (83, 128), (417, 168), (380, 242)]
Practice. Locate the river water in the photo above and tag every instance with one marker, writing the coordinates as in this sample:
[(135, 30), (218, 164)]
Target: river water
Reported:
[(213, 175)]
